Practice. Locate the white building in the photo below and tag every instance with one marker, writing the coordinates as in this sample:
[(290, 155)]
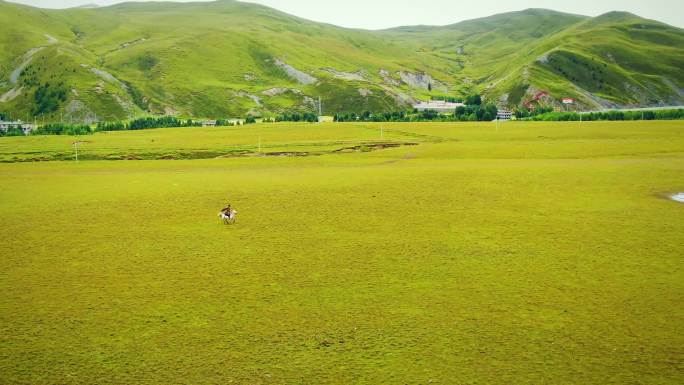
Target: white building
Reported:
[(504, 115), (25, 127), (438, 106)]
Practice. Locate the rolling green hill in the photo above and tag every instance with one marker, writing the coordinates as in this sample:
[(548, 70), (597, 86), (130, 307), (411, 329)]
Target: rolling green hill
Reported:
[(227, 58)]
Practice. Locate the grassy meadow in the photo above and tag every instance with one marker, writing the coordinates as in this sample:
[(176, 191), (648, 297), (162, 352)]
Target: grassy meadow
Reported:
[(531, 253)]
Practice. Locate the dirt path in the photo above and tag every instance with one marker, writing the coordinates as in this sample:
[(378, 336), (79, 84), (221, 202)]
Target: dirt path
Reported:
[(26, 60)]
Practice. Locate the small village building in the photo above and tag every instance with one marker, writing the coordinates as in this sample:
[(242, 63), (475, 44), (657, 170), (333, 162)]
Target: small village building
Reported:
[(209, 123), (25, 127), (438, 106), (504, 115)]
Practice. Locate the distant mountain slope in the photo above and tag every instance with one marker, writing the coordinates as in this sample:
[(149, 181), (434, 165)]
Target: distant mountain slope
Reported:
[(228, 58), (613, 60)]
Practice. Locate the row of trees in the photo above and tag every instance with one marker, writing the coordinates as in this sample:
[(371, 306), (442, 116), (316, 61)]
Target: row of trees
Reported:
[(163, 122), (12, 131), (672, 114), (450, 99), (469, 113), (297, 117), (486, 112), (476, 113), (147, 123), (525, 113), (224, 123), (137, 124), (471, 100), (367, 116), (110, 126), (62, 129)]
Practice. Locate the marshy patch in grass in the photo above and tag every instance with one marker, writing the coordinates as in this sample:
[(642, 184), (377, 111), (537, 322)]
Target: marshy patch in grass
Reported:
[(198, 154)]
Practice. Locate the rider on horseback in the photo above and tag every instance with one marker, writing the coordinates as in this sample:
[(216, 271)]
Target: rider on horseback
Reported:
[(228, 211)]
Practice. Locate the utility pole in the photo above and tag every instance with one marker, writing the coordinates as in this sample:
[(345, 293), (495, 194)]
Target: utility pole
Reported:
[(76, 149), (259, 145), (320, 109)]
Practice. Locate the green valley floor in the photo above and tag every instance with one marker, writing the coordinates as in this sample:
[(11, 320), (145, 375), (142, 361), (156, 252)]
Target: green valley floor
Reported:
[(528, 253)]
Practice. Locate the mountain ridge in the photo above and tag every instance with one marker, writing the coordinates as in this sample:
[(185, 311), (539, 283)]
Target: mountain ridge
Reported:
[(230, 58)]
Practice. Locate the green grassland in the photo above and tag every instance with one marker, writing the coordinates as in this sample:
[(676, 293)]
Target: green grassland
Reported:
[(274, 139), (527, 253), (215, 59)]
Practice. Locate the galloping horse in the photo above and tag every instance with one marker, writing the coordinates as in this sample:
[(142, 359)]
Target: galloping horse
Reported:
[(229, 218)]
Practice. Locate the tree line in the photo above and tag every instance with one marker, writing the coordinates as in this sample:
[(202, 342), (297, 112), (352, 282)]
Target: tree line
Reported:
[(367, 116), (477, 111), (12, 131), (147, 123), (297, 117), (136, 124), (469, 113), (668, 114), (471, 100), (225, 123), (62, 129)]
